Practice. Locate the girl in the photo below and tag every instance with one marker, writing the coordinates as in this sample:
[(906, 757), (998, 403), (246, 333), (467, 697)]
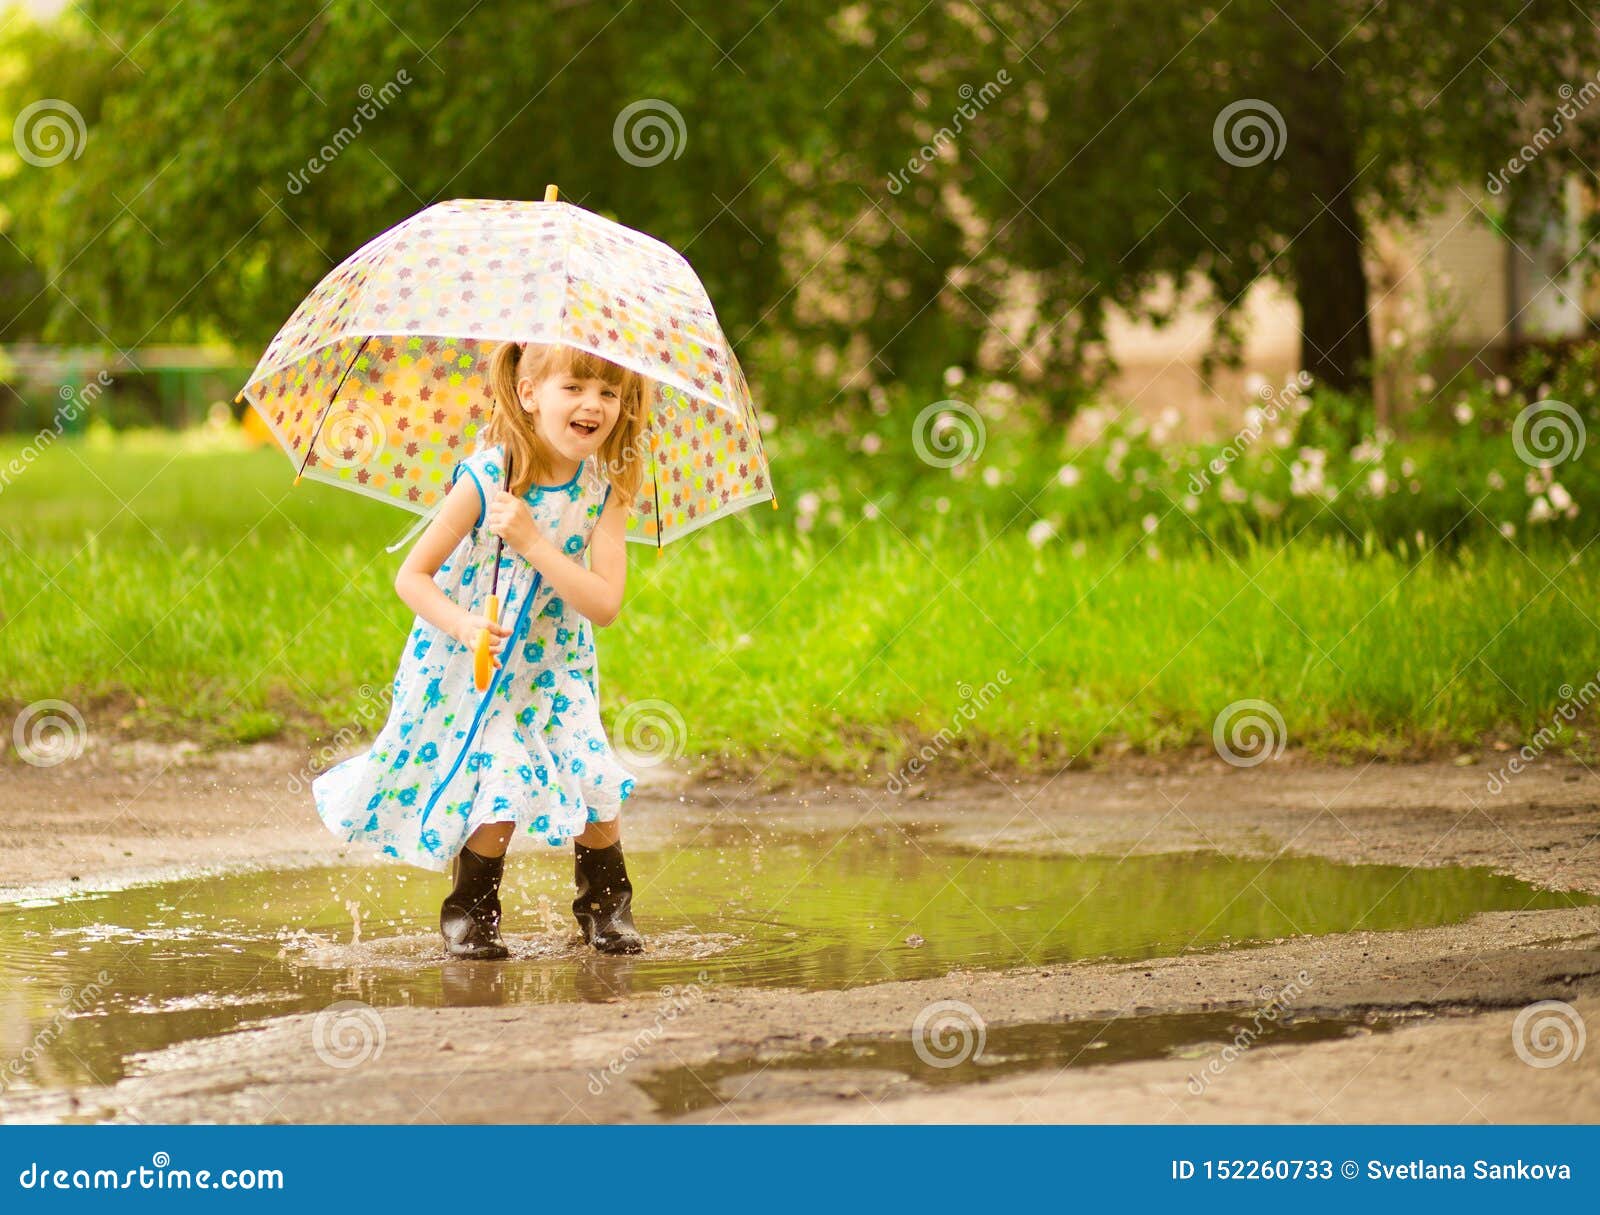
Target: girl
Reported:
[(455, 773)]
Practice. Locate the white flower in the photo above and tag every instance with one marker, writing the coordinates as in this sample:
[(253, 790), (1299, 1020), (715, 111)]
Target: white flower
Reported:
[(1560, 499), (1494, 480), (808, 503), (1407, 466), (1069, 475), (1501, 385), (1041, 532), (1377, 482), (870, 510), (953, 376), (1539, 511), (1191, 503), (942, 505), (1508, 530), (1231, 492), (1149, 523), (991, 476), (870, 444), (1463, 412), (1079, 548), (1426, 383)]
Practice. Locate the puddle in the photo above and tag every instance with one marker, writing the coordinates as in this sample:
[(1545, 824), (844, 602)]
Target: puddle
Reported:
[(88, 979), (879, 1067)]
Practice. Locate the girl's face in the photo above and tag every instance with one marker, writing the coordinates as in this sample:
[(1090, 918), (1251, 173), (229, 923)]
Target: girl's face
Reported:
[(574, 415)]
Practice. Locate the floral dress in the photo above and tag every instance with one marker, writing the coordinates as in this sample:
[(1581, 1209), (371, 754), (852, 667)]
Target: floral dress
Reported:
[(529, 750)]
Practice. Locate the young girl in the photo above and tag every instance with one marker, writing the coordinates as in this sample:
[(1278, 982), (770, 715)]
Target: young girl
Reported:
[(455, 773)]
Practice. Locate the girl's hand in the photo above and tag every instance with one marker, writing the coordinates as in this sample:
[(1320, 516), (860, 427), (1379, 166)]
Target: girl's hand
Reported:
[(471, 624), (509, 518)]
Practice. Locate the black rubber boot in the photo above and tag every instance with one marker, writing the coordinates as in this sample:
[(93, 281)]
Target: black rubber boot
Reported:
[(604, 906), (470, 915)]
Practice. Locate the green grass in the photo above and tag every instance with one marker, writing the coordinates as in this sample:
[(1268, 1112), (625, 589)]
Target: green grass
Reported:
[(168, 586)]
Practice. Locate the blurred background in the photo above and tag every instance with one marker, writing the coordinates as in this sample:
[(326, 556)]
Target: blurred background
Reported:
[(1118, 363)]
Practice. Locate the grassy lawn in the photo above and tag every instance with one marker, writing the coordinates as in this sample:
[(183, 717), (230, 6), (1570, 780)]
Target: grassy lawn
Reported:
[(165, 586)]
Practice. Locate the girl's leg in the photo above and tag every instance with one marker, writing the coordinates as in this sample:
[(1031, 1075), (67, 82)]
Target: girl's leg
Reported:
[(602, 835), (491, 839)]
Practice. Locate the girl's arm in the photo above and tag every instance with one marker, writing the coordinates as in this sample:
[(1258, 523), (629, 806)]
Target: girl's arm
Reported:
[(415, 583), (596, 592)]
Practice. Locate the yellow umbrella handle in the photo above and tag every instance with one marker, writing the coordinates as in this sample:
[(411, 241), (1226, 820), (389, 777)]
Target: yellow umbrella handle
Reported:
[(483, 654)]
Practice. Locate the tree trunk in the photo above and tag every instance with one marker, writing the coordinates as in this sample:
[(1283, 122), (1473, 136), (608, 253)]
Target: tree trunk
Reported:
[(1330, 280)]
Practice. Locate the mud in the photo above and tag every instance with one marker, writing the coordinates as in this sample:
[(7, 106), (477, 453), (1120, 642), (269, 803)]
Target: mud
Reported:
[(1443, 1002)]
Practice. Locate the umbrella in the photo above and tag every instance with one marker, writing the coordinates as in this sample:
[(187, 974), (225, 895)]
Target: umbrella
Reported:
[(378, 381)]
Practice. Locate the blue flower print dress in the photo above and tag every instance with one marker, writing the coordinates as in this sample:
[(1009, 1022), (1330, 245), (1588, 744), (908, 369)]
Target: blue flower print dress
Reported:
[(530, 750)]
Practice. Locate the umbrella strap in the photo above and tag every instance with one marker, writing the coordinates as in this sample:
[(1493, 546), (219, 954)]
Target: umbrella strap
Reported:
[(415, 528)]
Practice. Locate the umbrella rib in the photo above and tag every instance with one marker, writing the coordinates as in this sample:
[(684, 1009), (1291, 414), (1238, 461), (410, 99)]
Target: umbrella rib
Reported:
[(339, 387)]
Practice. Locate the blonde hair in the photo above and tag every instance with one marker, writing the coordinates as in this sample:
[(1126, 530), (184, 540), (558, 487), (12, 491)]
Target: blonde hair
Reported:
[(531, 459)]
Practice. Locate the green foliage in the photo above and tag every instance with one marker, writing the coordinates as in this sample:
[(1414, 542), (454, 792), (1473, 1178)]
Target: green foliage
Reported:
[(1068, 154)]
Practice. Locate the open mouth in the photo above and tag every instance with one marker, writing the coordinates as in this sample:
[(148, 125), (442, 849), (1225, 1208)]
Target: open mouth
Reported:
[(585, 429)]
